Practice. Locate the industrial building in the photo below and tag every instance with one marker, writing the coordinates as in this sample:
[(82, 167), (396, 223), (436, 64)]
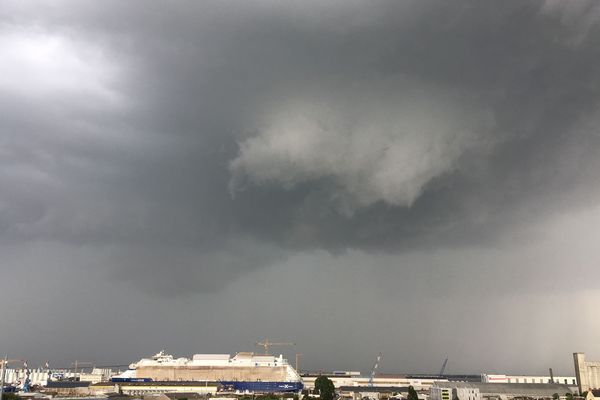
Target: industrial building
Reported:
[(68, 388), (587, 372), (41, 376), (371, 392), (490, 391), (37, 376), (339, 378), (438, 392), (353, 379), (146, 388), (96, 375), (501, 378)]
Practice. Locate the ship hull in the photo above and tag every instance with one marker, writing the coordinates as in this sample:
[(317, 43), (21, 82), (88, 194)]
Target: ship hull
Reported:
[(262, 387)]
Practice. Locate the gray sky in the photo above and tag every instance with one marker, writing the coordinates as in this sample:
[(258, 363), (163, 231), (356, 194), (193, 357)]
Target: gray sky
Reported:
[(417, 178)]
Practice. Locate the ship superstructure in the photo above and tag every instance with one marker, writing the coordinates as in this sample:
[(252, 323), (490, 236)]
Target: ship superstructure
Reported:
[(242, 372)]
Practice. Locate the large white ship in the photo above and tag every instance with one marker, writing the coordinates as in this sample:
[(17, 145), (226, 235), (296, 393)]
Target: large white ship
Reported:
[(242, 372)]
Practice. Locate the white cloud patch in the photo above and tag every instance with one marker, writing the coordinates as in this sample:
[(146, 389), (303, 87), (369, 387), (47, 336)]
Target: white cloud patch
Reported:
[(374, 147), (38, 64)]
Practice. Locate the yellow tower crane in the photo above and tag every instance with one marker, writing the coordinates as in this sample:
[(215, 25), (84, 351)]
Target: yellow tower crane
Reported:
[(266, 344)]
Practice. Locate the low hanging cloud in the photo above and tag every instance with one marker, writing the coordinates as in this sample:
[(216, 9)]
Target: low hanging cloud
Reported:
[(578, 16), (406, 125), (375, 143)]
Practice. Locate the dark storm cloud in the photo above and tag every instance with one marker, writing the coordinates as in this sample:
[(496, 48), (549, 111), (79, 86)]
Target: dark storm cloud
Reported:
[(197, 130), (422, 167)]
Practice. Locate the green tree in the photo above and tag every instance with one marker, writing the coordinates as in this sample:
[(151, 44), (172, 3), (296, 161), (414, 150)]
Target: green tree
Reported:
[(569, 396), (555, 396), (325, 388), (412, 394)]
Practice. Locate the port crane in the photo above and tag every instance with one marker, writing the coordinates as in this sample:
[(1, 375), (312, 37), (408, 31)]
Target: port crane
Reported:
[(266, 344), (443, 369), (78, 363), (375, 366)]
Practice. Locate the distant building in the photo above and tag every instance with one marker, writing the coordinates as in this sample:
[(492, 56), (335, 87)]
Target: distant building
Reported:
[(353, 378), (37, 376), (587, 372), (339, 378), (498, 391), (371, 392), (68, 388), (41, 376), (451, 393), (154, 388), (97, 375), (501, 378)]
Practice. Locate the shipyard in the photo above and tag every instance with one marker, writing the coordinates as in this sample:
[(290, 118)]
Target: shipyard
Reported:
[(212, 376)]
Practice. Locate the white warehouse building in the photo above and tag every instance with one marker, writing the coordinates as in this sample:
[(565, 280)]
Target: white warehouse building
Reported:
[(496, 391), (438, 392), (502, 378)]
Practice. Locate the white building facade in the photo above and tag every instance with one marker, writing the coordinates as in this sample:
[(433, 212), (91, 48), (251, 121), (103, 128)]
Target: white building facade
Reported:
[(14, 376), (501, 378), (587, 372), (448, 393)]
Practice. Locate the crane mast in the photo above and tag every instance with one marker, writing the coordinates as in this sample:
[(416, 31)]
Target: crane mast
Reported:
[(443, 369), (375, 366), (78, 363)]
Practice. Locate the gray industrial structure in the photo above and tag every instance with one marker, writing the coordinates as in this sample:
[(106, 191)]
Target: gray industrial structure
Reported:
[(504, 390), (587, 373)]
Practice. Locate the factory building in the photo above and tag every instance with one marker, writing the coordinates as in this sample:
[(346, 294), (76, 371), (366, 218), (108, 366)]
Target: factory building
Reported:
[(451, 393), (371, 392), (68, 388), (587, 373), (496, 391), (339, 378), (353, 378), (147, 388), (501, 378)]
